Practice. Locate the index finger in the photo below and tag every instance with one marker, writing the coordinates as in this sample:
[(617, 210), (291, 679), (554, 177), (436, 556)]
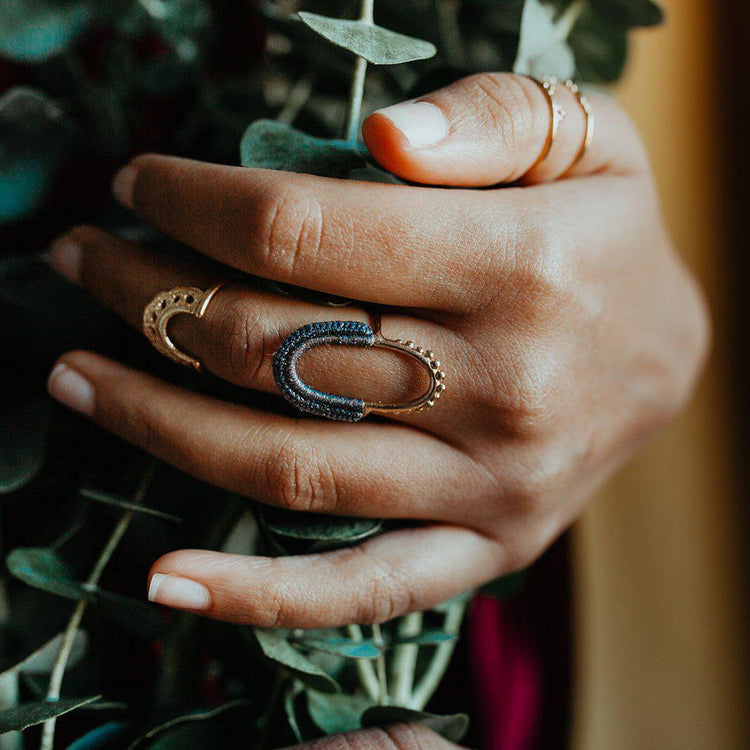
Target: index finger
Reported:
[(388, 244)]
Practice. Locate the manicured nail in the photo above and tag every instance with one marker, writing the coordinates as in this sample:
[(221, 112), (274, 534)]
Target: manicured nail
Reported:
[(71, 389), (178, 592), (123, 184), (422, 123), (65, 257)]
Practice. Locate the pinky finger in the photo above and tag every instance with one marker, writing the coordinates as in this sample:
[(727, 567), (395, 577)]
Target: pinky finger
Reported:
[(399, 572)]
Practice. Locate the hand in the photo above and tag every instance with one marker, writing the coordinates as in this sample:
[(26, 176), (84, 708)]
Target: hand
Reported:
[(567, 326)]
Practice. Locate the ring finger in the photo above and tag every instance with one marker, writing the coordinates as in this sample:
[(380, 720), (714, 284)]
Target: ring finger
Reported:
[(244, 325)]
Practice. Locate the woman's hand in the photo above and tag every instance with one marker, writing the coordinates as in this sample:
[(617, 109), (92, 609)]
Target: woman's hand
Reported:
[(568, 329)]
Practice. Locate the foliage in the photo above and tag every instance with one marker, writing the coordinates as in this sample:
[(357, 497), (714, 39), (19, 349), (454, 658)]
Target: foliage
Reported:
[(83, 512)]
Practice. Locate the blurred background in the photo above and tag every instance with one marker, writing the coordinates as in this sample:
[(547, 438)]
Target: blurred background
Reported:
[(661, 571)]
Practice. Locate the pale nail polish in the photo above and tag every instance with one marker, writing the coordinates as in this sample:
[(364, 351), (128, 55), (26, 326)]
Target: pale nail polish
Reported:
[(422, 123), (71, 389), (123, 185), (65, 257), (178, 592)]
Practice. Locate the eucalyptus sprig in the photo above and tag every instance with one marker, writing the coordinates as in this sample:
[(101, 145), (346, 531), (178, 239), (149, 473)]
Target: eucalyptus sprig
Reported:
[(298, 109)]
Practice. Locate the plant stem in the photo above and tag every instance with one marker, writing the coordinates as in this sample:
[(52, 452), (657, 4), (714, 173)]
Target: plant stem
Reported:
[(367, 677), (66, 646), (357, 91), (377, 637), (443, 653), (405, 656)]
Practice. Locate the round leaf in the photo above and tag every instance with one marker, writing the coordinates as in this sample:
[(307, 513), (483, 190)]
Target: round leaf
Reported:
[(375, 44)]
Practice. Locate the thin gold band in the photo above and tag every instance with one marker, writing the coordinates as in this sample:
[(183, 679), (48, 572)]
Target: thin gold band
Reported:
[(548, 87), (588, 112)]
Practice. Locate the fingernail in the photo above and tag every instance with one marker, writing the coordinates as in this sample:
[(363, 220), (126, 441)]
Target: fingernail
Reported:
[(71, 389), (123, 184), (65, 257), (422, 123), (178, 592)]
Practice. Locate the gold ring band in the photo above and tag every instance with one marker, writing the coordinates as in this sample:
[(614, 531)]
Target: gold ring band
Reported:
[(548, 87), (164, 306), (588, 112)]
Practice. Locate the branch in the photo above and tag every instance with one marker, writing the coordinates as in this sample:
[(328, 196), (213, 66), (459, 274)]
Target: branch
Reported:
[(357, 92), (66, 646)]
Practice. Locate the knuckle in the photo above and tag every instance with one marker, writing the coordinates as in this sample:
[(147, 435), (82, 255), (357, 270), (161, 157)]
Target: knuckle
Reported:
[(243, 338), (291, 228), (385, 595), (298, 477)]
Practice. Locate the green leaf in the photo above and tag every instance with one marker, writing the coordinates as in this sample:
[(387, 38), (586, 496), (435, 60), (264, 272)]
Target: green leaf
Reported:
[(101, 737), (278, 649), (346, 647), (600, 48), (267, 144), (506, 587), (336, 714), (205, 728), (542, 47), (629, 13), (33, 31), (28, 714), (120, 502), (41, 661), (375, 44), (23, 443), (44, 569), (290, 697), (425, 638), (317, 526), (452, 727)]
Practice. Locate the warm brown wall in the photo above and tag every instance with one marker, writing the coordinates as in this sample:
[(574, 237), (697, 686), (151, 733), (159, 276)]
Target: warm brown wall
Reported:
[(661, 655)]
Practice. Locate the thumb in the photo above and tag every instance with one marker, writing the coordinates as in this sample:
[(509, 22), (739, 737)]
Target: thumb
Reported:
[(397, 737), (493, 128)]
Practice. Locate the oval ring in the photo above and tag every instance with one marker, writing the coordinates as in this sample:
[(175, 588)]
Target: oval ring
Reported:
[(344, 408)]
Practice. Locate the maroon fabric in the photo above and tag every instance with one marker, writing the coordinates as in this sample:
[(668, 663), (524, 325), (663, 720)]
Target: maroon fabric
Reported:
[(507, 677)]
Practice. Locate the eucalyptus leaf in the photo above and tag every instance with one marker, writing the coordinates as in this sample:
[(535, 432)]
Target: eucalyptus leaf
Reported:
[(102, 737), (33, 31), (267, 144), (120, 502), (278, 649), (42, 660), (425, 638), (290, 699), (629, 13), (336, 714), (317, 526), (193, 730), (23, 442), (44, 569), (28, 714), (542, 47), (600, 48), (453, 727), (375, 44), (346, 647)]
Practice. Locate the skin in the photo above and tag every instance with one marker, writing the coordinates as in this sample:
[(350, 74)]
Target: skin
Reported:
[(568, 327)]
